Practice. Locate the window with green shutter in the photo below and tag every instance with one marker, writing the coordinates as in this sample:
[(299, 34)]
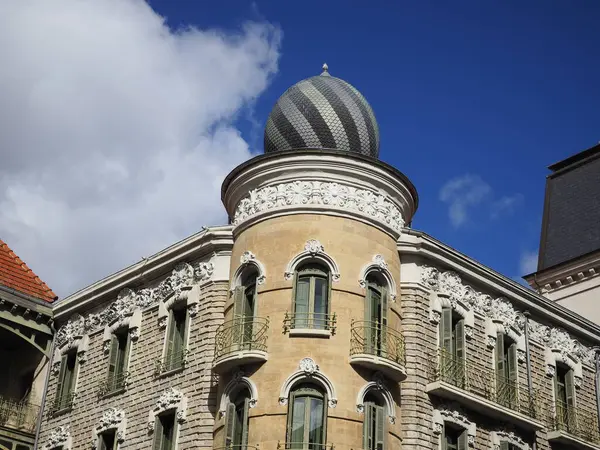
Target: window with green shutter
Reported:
[(117, 360), (564, 392), (507, 446), (66, 381), (176, 335), (312, 285), (244, 310), (373, 424), (452, 347), (506, 370), (107, 440), (164, 431), (376, 305), (454, 438), (307, 415), (237, 421)]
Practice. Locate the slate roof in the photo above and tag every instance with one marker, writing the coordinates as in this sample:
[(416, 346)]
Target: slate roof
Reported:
[(571, 222), (15, 274)]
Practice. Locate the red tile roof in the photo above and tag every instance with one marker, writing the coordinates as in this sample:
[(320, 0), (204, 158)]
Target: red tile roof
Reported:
[(15, 274)]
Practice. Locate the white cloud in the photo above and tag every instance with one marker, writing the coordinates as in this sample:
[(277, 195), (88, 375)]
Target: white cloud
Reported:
[(505, 205), (116, 132), (528, 263), (461, 194)]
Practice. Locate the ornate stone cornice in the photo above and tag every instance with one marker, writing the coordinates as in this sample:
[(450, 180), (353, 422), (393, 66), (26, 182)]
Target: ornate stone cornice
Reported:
[(170, 399), (181, 280), (112, 419), (501, 310), (313, 249), (499, 436), (455, 415), (335, 196)]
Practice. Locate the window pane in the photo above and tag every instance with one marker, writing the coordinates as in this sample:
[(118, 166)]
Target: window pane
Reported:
[(168, 428), (108, 440), (298, 412), (316, 422)]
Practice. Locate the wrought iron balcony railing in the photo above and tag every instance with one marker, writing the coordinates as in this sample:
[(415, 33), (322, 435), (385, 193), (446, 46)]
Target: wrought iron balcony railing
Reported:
[(484, 382), (62, 403), (113, 384), (18, 415), (171, 362), (240, 334), (309, 321), (372, 338), (304, 446), (575, 421)]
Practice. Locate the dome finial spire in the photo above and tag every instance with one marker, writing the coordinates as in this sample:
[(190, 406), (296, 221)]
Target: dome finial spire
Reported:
[(325, 69)]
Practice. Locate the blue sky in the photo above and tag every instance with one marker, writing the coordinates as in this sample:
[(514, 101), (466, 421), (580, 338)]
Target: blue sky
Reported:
[(114, 122), (474, 97)]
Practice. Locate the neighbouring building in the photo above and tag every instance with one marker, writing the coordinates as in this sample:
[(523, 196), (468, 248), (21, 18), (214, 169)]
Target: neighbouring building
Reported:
[(25, 343), (569, 257), (318, 319)]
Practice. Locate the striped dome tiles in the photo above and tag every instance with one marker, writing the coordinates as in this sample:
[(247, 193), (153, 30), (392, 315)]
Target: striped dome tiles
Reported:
[(322, 112)]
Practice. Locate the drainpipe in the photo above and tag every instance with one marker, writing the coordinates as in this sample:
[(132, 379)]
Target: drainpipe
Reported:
[(597, 379), (528, 361), (38, 425)]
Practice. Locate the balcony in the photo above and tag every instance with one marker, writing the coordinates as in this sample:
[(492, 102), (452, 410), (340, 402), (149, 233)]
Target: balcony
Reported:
[(114, 384), (479, 388), (309, 324), (573, 426), (240, 341), (378, 348), (171, 363), (21, 416), (62, 404)]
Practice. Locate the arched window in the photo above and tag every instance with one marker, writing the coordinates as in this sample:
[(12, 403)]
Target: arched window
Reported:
[(307, 416), (236, 420), (376, 305), (311, 297), (506, 370), (374, 423), (244, 309)]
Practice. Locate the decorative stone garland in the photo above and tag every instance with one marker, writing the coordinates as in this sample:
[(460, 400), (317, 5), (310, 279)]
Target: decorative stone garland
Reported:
[(455, 415), (60, 437), (181, 279), (500, 309), (336, 196), (170, 399), (112, 419)]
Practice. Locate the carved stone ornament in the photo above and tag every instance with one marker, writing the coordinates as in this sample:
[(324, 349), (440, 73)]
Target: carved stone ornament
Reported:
[(249, 258), (500, 309), (379, 264), (308, 366), (312, 249), (335, 196), (500, 436), (60, 437), (456, 416), (112, 418), (246, 257), (182, 278), (170, 399)]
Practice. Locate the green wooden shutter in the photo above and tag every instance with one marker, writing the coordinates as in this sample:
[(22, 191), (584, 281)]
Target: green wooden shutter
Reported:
[(500, 362), (290, 418), (570, 388), (463, 441), (384, 310), (460, 339), (112, 357), (171, 339), (368, 426), (368, 328), (158, 434), (238, 301), (380, 428), (444, 438), (504, 445), (446, 331), (246, 422), (61, 378), (512, 363), (229, 425), (302, 302)]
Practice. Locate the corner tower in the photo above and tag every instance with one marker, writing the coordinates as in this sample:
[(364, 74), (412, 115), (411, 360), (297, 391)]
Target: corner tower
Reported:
[(314, 322)]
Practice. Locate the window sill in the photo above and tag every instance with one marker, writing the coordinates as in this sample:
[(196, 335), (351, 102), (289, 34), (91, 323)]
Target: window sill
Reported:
[(310, 332), (168, 373), (62, 411), (113, 393)]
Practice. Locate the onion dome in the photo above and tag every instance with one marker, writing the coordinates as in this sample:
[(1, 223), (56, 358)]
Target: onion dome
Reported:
[(322, 112)]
